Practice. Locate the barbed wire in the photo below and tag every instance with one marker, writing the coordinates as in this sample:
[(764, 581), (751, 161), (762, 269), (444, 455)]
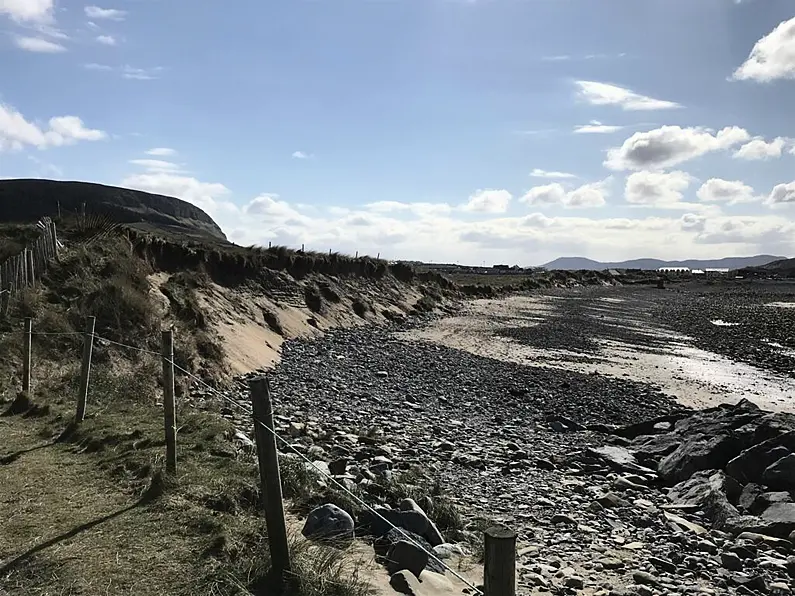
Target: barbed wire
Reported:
[(248, 411)]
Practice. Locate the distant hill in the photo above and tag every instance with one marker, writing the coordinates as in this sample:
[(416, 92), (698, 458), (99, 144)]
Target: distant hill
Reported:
[(27, 200), (580, 263)]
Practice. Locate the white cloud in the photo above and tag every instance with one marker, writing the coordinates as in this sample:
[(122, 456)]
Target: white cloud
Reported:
[(95, 66), (603, 94), (107, 40), (538, 173), (717, 190), (28, 10), (38, 44), (157, 165), (657, 189), (111, 14), (205, 195), (16, 132), (782, 195), (488, 201), (585, 196), (418, 209), (161, 152), (759, 149), (671, 145), (141, 74), (757, 231), (301, 155), (596, 127), (772, 57)]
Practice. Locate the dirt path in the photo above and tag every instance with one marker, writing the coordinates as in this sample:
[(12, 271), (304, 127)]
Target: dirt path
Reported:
[(68, 530), (628, 344)]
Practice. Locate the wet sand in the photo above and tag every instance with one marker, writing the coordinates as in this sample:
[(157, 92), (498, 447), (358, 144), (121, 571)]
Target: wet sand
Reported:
[(695, 377)]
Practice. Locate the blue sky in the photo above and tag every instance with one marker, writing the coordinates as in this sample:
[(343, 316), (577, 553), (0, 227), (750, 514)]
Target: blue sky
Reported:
[(446, 130)]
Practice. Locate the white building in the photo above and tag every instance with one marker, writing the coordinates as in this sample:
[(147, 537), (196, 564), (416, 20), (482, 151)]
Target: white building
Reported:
[(673, 270)]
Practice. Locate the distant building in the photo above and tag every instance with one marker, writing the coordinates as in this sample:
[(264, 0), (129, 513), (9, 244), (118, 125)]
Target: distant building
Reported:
[(697, 272), (673, 270), (716, 271)]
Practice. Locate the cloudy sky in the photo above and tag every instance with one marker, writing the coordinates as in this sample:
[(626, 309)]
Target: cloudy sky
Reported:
[(448, 130)]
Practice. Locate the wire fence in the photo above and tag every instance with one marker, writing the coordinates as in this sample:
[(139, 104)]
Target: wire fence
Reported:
[(166, 356), (23, 270)]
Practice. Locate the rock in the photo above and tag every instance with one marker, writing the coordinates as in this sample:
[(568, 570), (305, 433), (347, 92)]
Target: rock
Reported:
[(731, 561), (662, 564), (383, 544), (758, 538), (751, 464), (432, 533), (611, 500), (561, 518), (710, 491), (791, 566), (328, 522), (781, 474), (404, 555), (623, 483), (780, 519), (338, 467), (448, 551), (644, 577), (618, 458), (611, 563), (684, 524), (750, 493), (413, 521), (574, 581), (404, 582), (781, 588)]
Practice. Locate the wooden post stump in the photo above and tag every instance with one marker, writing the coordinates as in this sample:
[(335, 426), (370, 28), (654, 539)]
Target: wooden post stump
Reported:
[(271, 490), (499, 572), (169, 407)]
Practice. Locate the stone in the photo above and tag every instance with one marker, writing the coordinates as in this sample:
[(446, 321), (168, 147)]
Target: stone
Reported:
[(644, 577), (710, 490), (751, 464), (404, 582), (611, 563), (773, 541), (560, 518), (328, 522), (618, 458), (791, 566), (781, 474), (731, 561), (662, 564), (383, 544), (448, 551), (338, 467), (624, 483), (781, 588), (413, 521), (642, 590), (748, 497), (574, 581), (684, 524), (431, 533), (780, 519), (404, 555), (611, 500)]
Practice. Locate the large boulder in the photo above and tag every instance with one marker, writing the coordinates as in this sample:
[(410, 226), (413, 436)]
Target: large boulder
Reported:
[(780, 475), (329, 522), (709, 490), (432, 533), (410, 517), (753, 462), (405, 555), (384, 544)]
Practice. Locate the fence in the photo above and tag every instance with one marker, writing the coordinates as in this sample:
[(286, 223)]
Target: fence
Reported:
[(500, 542), (22, 270)]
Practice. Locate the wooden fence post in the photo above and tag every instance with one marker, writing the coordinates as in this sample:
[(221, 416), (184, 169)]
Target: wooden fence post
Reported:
[(269, 475), (26, 357), (54, 239), (168, 401), (499, 571), (31, 266), (85, 372)]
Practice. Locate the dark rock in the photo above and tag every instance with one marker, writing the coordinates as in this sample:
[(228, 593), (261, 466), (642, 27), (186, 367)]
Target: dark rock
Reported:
[(575, 582), (611, 500), (708, 490), (618, 458), (780, 519), (561, 518), (328, 522), (384, 543), (750, 465), (781, 474), (432, 533), (406, 555), (748, 497), (404, 582), (338, 467), (662, 564), (644, 577), (413, 521), (731, 561)]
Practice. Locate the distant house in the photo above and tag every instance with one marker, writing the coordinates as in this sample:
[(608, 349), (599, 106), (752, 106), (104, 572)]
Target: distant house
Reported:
[(613, 272), (673, 270), (716, 271), (697, 272)]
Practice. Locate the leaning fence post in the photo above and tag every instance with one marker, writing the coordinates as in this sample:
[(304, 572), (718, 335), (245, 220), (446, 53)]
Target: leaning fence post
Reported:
[(499, 571), (85, 372), (269, 475), (26, 357), (168, 401)]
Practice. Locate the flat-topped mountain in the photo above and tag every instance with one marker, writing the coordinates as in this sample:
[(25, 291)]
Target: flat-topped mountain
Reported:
[(27, 200)]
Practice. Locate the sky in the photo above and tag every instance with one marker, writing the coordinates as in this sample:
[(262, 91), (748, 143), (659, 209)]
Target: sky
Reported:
[(461, 131)]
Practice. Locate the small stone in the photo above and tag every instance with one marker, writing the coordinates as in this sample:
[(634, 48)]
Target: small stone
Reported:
[(611, 563), (779, 588), (338, 467), (382, 374), (611, 500), (662, 564), (731, 561), (644, 578), (574, 581), (642, 590), (404, 582), (707, 546), (561, 518)]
